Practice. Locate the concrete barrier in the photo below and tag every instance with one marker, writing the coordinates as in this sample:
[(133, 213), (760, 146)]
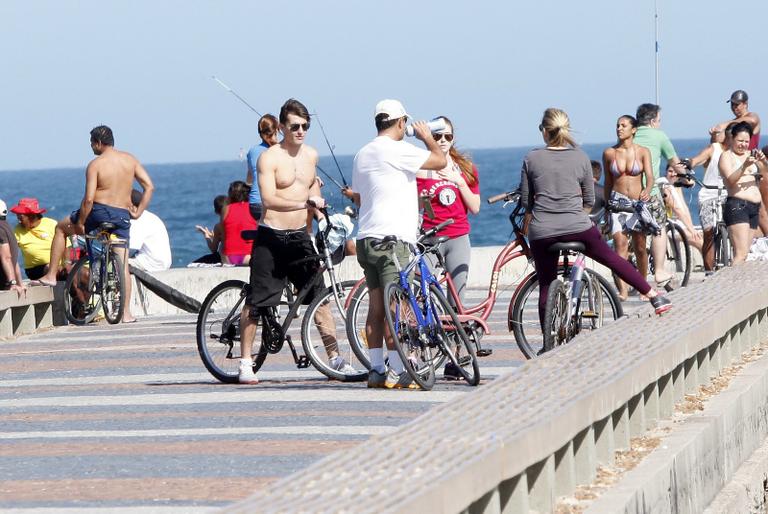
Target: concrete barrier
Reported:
[(26, 313), (518, 443)]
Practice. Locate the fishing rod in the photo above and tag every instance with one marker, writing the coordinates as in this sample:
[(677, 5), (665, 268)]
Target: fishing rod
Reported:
[(236, 95), (330, 177), (331, 149)]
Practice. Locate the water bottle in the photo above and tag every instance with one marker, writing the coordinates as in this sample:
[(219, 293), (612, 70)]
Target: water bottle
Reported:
[(576, 273), (434, 126)]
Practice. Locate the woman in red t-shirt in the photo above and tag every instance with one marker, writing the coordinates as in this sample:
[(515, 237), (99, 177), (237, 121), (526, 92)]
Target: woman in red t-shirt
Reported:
[(237, 217), (453, 191)]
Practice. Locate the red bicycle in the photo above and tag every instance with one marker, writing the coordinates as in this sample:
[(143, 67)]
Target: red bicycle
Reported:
[(522, 313)]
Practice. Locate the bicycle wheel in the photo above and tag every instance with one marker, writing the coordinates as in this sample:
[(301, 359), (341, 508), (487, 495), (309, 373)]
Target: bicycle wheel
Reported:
[(357, 313), (218, 331), (402, 324), (452, 339), (556, 316), (82, 300), (523, 311), (324, 321), (113, 288), (722, 245), (678, 255)]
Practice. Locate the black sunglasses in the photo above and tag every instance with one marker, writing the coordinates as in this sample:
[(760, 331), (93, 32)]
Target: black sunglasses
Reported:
[(294, 127), (438, 137)]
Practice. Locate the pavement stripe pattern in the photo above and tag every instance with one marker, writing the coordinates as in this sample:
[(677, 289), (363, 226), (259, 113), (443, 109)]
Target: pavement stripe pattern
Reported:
[(126, 417)]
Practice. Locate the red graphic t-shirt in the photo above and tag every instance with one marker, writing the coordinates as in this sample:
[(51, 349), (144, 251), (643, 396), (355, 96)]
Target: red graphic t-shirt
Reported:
[(447, 203)]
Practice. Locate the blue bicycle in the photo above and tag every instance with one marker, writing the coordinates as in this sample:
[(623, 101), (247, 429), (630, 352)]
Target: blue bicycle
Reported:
[(424, 327)]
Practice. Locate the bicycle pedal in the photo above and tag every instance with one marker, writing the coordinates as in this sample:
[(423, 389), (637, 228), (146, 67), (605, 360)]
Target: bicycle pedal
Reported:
[(484, 352), (303, 362), (590, 315)]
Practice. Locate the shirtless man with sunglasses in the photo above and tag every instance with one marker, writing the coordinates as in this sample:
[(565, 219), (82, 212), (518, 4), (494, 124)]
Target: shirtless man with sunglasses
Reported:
[(288, 186)]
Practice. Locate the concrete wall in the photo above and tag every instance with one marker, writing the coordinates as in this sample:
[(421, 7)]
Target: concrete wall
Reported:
[(529, 437)]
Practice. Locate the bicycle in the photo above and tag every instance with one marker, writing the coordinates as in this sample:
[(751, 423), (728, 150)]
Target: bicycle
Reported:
[(678, 261), (96, 282), (565, 316), (721, 243), (522, 312), (218, 323), (421, 321)]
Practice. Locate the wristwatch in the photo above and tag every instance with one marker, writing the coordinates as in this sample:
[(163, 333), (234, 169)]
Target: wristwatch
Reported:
[(11, 283)]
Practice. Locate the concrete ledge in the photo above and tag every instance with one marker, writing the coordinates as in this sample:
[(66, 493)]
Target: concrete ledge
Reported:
[(700, 455), (529, 437), (26, 313), (747, 491)]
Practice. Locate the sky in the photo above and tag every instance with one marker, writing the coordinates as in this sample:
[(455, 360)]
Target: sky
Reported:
[(144, 68)]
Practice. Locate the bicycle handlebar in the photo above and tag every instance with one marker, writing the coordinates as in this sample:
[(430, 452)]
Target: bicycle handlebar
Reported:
[(437, 228), (509, 196)]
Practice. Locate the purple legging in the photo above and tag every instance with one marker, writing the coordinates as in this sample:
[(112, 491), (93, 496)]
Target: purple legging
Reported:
[(596, 248)]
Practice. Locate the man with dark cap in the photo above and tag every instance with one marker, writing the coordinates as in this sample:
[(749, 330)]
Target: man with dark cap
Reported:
[(740, 108)]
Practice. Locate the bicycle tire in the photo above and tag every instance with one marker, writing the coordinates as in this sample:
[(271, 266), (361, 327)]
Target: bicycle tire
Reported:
[(523, 313), (218, 331), (416, 356), (312, 336), (556, 323), (81, 304), (680, 253), (455, 343), (113, 287), (357, 312), (722, 246)]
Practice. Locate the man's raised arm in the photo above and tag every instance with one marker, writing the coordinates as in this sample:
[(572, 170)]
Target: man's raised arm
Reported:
[(142, 177)]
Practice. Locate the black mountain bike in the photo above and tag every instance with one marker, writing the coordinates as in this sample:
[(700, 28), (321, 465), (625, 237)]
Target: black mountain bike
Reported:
[(323, 334)]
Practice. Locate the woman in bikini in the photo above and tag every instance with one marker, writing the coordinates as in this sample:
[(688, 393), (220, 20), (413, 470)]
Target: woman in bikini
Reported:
[(626, 165), (739, 168)]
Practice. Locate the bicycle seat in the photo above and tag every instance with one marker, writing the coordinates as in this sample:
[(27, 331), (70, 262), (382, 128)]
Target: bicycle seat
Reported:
[(248, 235), (386, 243), (431, 243), (106, 226), (567, 247)]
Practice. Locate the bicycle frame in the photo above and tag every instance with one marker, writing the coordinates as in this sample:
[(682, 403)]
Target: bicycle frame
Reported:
[(427, 318)]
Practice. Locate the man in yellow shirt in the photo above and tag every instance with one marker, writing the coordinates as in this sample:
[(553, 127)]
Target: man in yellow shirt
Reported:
[(34, 234)]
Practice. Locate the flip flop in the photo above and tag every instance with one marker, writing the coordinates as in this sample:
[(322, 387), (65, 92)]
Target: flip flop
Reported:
[(134, 320), (41, 282)]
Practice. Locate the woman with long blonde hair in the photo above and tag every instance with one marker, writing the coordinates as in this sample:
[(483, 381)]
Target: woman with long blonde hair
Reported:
[(558, 193)]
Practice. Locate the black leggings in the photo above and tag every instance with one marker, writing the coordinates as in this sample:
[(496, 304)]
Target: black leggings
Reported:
[(597, 249)]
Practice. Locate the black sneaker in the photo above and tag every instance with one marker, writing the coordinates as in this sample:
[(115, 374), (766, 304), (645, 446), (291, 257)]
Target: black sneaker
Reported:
[(661, 303), (451, 372)]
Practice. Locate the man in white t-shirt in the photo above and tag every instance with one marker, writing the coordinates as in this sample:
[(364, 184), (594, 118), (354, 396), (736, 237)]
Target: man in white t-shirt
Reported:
[(384, 184), (149, 239)]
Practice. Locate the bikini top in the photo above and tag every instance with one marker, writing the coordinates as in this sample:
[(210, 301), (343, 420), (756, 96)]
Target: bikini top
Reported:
[(634, 171)]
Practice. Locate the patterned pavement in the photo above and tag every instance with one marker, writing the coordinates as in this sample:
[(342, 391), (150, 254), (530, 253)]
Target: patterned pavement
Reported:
[(127, 419)]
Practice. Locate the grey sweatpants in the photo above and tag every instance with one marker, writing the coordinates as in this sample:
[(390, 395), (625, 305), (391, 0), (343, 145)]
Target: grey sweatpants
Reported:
[(457, 253)]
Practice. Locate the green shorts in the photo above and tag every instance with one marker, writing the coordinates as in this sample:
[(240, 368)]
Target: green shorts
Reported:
[(378, 267)]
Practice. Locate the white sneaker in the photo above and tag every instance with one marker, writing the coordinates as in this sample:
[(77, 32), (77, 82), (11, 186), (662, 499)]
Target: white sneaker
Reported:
[(339, 364), (246, 374)]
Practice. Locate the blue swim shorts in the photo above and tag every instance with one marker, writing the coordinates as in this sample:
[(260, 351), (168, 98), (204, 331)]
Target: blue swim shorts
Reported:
[(101, 213)]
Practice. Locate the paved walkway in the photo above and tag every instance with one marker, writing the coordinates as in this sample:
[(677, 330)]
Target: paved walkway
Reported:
[(127, 418)]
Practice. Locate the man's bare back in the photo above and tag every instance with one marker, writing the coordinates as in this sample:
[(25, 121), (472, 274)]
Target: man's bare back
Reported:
[(292, 179), (115, 172)]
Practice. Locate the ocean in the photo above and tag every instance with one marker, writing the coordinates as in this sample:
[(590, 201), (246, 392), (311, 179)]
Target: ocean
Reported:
[(184, 192)]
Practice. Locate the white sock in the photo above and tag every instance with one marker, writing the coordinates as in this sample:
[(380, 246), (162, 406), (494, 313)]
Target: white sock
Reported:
[(394, 361), (377, 359), (246, 363)]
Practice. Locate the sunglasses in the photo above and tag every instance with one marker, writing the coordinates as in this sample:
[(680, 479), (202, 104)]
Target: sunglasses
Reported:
[(438, 137), (294, 127)]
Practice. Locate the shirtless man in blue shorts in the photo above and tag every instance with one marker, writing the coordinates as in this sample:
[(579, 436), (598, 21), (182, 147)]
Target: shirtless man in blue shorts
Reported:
[(108, 184)]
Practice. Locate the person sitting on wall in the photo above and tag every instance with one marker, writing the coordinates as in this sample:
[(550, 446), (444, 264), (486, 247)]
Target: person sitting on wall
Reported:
[(34, 235), (150, 248)]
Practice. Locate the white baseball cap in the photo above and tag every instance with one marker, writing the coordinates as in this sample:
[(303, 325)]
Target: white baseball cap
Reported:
[(392, 108), (3, 209)]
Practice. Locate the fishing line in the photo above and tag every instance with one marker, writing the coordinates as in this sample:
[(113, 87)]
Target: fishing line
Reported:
[(236, 95), (331, 149)]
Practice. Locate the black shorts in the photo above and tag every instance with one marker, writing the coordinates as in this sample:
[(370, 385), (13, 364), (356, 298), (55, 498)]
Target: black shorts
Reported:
[(272, 262), (737, 211)]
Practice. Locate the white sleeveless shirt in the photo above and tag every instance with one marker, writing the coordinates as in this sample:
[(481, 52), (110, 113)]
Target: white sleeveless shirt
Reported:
[(712, 175)]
